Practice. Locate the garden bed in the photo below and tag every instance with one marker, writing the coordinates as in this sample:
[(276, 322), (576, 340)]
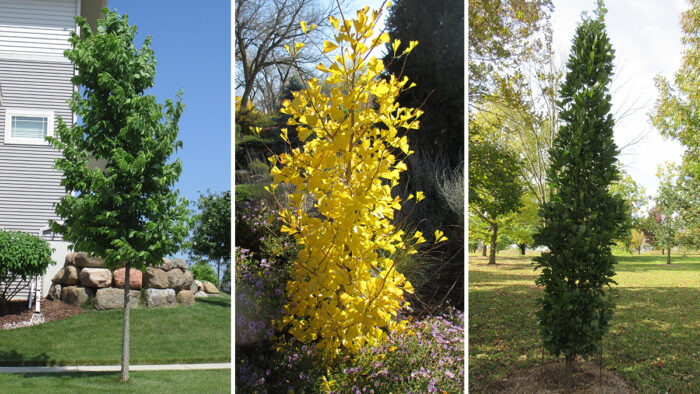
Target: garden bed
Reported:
[(18, 312)]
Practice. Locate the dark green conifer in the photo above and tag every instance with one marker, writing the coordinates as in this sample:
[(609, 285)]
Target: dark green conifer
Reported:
[(582, 218)]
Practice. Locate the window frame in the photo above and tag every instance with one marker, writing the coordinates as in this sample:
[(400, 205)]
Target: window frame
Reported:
[(36, 113)]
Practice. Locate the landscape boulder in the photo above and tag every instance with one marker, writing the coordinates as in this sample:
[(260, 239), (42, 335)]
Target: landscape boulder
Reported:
[(70, 276), (83, 260), (112, 298), (96, 277), (76, 295), (70, 259), (185, 297), (54, 292), (179, 263), (167, 265), (187, 280), (193, 287), (175, 279), (209, 287), (135, 278), (58, 278), (155, 278), (200, 294), (156, 298)]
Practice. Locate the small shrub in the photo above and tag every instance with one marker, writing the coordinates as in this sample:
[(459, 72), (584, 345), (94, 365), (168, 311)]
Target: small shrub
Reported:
[(203, 271), (22, 256)]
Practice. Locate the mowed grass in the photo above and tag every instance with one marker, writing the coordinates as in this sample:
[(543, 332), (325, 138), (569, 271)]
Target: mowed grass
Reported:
[(653, 343), (205, 381), (185, 334)]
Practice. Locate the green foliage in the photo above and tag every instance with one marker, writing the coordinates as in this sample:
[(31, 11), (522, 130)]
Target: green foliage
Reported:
[(437, 68), (582, 218), (22, 256), (203, 271), (127, 212), (495, 189), (211, 236), (676, 113)]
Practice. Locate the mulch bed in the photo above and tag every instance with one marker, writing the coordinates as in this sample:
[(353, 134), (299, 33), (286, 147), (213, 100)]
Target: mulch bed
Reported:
[(550, 378), (51, 310)]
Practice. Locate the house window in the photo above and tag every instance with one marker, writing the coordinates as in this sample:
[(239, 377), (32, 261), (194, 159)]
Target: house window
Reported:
[(26, 126)]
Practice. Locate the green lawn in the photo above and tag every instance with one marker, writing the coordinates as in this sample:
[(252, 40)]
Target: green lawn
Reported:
[(186, 334), (654, 342), (215, 381)]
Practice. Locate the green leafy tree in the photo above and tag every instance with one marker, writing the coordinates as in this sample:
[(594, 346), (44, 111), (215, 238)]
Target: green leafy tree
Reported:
[(494, 186), (521, 226), (582, 217), (127, 212), (677, 110), (22, 256), (635, 199), (211, 236), (203, 271)]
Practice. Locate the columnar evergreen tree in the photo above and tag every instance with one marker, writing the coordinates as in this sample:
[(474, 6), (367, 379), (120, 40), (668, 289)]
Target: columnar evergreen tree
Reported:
[(127, 212), (582, 218)]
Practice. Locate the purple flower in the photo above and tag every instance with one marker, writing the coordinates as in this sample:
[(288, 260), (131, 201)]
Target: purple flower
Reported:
[(278, 292), (259, 284), (270, 332), (449, 374), (260, 324)]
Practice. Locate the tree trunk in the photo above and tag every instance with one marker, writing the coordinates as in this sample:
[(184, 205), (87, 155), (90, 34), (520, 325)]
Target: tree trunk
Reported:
[(569, 372), (522, 249), (662, 251), (125, 335), (483, 250), (668, 257), (494, 240)]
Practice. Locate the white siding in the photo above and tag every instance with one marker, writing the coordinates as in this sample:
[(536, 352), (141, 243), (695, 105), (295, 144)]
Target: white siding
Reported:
[(36, 29), (29, 185)]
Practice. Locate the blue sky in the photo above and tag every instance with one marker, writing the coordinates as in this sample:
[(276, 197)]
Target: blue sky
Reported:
[(192, 45)]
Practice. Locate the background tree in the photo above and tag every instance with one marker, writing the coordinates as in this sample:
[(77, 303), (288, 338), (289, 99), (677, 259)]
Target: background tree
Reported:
[(263, 28), (128, 212), (211, 236), (436, 66), (494, 186), (677, 110), (521, 226), (635, 199), (581, 218)]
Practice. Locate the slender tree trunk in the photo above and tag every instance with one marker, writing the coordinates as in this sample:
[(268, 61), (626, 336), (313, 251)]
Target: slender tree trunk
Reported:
[(125, 336), (662, 251), (522, 249), (494, 239), (483, 250), (668, 257), (569, 372)]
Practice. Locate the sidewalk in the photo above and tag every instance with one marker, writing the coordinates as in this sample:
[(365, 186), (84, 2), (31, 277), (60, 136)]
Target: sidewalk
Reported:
[(114, 368)]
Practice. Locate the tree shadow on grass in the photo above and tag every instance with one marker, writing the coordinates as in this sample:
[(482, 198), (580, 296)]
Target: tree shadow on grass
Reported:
[(14, 359), (218, 301)]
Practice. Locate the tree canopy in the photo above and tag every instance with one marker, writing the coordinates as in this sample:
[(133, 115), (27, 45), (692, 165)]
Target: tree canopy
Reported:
[(211, 236)]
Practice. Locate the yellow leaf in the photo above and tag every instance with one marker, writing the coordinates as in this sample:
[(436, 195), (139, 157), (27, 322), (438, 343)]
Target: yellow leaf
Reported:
[(384, 37), (303, 26), (395, 45), (298, 46), (419, 196), (328, 46), (439, 236)]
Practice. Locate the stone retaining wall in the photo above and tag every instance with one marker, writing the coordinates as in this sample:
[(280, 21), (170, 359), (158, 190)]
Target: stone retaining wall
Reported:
[(83, 277)]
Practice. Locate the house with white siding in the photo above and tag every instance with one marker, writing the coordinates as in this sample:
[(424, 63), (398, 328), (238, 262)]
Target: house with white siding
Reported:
[(35, 84)]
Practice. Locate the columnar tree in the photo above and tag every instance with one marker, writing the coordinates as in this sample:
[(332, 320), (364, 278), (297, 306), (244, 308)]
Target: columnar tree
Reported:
[(125, 209), (582, 218)]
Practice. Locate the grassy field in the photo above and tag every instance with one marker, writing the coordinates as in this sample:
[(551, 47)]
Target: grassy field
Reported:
[(185, 334), (216, 381), (654, 342)]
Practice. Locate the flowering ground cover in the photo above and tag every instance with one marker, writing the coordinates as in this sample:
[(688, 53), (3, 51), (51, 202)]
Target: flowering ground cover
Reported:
[(652, 344), (428, 357)]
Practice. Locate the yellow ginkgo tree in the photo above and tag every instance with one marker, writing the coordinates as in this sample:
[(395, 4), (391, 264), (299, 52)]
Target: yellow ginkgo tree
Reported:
[(346, 291)]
